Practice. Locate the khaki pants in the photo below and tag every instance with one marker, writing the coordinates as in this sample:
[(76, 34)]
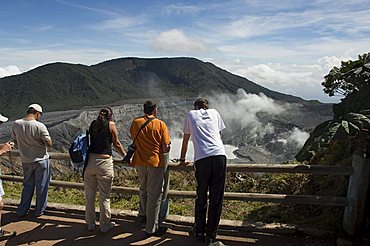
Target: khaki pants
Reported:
[(98, 175), (164, 209), (151, 191)]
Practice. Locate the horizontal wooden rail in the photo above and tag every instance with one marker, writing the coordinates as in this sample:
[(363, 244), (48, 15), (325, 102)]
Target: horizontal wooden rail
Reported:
[(278, 168), (353, 203), (255, 168), (248, 197)]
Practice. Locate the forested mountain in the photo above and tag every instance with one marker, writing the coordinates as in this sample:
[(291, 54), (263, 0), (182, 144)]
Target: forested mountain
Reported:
[(61, 86)]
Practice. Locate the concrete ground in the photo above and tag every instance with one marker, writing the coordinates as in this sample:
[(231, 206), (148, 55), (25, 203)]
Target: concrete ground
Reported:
[(64, 225)]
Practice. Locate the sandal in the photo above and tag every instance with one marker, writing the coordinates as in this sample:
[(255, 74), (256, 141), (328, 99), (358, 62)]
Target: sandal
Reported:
[(6, 234)]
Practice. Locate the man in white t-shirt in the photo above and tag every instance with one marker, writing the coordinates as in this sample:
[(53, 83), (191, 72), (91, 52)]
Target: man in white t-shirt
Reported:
[(204, 125), (32, 139)]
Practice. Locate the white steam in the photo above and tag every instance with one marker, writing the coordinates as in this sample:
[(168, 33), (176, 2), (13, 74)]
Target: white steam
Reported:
[(295, 137), (176, 149), (298, 137), (241, 110)]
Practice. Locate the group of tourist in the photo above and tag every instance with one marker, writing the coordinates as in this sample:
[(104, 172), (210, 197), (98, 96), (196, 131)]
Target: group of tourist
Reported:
[(151, 138)]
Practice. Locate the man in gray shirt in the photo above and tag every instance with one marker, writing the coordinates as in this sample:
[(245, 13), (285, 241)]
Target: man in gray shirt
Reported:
[(32, 139)]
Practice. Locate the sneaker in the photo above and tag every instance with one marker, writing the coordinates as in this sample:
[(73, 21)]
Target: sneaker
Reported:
[(213, 242), (6, 234), (198, 235), (91, 227), (39, 215), (160, 232), (216, 243), (108, 227)]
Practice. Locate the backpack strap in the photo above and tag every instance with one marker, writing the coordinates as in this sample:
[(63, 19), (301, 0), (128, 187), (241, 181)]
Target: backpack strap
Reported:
[(88, 146), (143, 126), (88, 139)]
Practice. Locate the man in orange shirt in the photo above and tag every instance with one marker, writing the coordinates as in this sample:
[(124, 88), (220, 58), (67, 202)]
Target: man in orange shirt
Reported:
[(151, 141)]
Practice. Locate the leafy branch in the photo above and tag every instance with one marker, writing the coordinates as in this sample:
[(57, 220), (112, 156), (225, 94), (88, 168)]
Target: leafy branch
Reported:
[(350, 77)]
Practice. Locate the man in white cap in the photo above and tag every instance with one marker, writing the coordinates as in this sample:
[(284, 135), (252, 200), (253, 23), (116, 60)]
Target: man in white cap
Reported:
[(32, 139), (6, 147), (3, 119)]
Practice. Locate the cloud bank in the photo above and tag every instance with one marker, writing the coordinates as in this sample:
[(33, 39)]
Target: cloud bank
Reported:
[(175, 40), (9, 70), (300, 80)]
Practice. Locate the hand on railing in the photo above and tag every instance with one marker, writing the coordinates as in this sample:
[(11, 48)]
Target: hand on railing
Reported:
[(182, 162), (126, 162), (121, 164)]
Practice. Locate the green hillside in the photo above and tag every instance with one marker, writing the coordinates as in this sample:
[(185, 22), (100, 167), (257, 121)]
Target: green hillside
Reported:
[(61, 86)]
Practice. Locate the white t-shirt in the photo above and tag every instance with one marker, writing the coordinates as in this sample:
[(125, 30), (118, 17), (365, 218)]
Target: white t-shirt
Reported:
[(30, 136), (205, 126)]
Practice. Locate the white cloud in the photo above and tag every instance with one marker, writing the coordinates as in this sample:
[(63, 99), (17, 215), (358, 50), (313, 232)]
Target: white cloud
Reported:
[(303, 80), (258, 25), (120, 23), (266, 73), (44, 56), (176, 40), (341, 48), (44, 27), (314, 19), (9, 70), (95, 10), (328, 62), (181, 9)]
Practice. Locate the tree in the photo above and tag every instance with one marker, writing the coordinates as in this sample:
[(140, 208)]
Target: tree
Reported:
[(335, 140), (350, 77)]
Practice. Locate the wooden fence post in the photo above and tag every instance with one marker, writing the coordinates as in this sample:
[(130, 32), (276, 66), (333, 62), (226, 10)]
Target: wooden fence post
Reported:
[(356, 195)]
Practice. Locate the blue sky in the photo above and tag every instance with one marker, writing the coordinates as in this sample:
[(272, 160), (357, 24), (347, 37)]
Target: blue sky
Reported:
[(287, 46)]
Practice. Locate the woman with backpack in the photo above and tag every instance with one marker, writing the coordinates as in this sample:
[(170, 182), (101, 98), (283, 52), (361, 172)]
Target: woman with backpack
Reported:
[(99, 170)]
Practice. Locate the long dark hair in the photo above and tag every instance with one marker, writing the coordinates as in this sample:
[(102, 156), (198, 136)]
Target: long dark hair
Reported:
[(105, 115)]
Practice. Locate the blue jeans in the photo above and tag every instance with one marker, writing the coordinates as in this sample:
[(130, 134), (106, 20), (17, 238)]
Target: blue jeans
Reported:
[(35, 175)]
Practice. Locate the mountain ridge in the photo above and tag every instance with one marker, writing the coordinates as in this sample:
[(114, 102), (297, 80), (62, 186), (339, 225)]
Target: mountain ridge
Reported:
[(62, 86)]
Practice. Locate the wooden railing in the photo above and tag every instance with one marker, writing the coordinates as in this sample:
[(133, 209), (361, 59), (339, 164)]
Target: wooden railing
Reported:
[(354, 203)]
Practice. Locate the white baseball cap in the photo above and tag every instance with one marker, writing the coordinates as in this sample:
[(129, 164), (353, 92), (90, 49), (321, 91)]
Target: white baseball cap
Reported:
[(3, 118), (36, 106)]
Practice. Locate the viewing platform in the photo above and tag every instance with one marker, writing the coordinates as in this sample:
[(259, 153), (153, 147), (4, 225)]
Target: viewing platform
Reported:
[(65, 225)]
